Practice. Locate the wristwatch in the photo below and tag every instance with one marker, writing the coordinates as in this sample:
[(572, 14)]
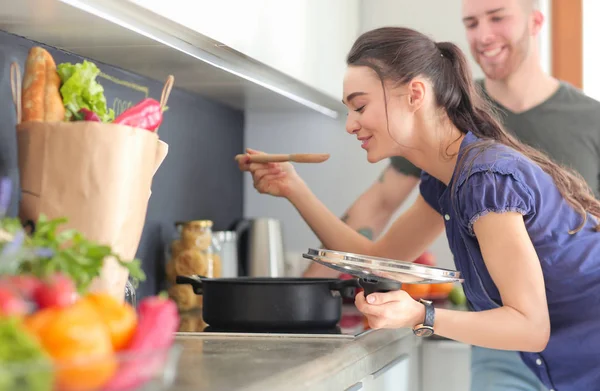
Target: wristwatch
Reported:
[(425, 329)]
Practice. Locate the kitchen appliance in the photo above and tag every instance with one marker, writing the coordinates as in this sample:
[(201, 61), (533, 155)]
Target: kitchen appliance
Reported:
[(227, 248), (379, 270), (352, 324), (260, 247), (266, 304)]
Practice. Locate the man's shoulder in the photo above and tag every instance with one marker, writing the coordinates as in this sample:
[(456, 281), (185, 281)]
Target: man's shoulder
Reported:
[(571, 94)]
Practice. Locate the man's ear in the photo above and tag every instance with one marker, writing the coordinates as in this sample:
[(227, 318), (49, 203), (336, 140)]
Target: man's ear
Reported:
[(536, 22)]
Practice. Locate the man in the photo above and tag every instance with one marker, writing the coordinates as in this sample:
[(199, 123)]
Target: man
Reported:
[(546, 113)]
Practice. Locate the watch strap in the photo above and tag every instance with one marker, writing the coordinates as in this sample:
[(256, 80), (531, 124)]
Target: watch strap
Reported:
[(429, 313)]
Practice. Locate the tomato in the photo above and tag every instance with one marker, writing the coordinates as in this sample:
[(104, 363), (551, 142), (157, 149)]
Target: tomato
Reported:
[(119, 317), (417, 291), (79, 342), (441, 290)]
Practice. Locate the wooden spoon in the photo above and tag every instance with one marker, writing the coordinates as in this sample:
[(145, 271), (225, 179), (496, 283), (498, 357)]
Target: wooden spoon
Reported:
[(292, 157)]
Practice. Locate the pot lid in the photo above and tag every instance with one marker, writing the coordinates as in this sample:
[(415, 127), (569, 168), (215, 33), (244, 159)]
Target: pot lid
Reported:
[(374, 268)]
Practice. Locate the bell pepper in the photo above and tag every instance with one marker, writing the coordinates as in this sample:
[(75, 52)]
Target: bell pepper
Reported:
[(146, 115), (158, 320), (87, 115)]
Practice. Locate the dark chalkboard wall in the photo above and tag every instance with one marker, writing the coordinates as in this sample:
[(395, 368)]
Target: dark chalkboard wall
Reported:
[(199, 178)]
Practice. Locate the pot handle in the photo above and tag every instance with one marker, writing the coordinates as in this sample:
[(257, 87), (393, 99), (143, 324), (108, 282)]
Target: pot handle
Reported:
[(347, 288), (194, 281), (373, 285)]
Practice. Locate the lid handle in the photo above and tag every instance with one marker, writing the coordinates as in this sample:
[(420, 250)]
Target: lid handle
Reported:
[(372, 285)]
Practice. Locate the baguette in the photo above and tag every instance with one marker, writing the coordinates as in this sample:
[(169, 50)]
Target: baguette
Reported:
[(41, 99)]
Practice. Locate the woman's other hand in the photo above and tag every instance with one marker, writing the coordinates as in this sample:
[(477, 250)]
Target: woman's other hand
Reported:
[(390, 310), (276, 179)]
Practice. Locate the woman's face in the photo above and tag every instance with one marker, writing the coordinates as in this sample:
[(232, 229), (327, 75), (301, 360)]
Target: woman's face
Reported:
[(367, 119)]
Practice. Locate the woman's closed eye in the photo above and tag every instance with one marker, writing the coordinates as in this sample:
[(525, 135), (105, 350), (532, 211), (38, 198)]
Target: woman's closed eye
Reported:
[(360, 109)]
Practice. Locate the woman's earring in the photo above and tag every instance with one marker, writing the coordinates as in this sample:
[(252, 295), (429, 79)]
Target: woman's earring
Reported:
[(410, 100)]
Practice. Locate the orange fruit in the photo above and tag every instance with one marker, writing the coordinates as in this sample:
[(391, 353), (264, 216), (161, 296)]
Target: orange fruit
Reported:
[(416, 291), (79, 343), (119, 317), (441, 290)]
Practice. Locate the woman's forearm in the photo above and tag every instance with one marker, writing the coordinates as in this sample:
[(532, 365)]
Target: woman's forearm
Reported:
[(333, 233), (501, 328)]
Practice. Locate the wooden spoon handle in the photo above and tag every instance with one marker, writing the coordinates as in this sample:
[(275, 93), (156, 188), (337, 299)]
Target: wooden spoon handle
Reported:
[(278, 158), (309, 157), (265, 158)]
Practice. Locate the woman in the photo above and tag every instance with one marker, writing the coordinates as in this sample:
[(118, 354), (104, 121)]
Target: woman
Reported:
[(522, 229)]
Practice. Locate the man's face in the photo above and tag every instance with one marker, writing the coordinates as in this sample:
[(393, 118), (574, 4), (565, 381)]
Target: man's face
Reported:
[(498, 33)]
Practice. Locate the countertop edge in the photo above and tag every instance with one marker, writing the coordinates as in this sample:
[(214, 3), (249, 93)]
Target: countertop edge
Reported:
[(346, 366)]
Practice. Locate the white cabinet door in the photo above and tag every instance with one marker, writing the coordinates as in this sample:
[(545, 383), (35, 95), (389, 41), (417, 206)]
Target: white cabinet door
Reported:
[(393, 377), (306, 39)]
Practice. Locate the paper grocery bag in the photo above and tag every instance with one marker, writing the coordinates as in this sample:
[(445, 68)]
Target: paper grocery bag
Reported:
[(98, 176)]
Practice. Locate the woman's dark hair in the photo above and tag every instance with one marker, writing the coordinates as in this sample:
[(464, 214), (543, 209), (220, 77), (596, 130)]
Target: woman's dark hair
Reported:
[(399, 54)]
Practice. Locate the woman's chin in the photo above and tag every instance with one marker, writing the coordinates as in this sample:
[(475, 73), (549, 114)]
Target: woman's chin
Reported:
[(373, 157)]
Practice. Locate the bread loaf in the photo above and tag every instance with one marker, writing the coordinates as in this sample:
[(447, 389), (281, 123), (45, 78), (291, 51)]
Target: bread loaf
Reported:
[(41, 99)]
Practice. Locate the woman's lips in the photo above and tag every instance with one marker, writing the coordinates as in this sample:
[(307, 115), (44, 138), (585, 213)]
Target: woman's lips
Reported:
[(364, 142)]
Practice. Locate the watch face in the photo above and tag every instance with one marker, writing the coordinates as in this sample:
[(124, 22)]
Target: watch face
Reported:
[(423, 332)]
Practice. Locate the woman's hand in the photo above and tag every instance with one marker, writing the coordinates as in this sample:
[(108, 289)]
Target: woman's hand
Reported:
[(390, 310), (276, 179)]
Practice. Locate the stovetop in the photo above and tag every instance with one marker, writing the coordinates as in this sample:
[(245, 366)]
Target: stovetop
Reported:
[(351, 325)]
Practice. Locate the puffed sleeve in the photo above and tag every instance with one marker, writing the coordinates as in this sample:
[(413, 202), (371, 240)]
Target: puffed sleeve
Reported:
[(489, 191)]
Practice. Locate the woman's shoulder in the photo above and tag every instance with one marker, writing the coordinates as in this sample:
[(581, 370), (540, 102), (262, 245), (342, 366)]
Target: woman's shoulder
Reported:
[(495, 158)]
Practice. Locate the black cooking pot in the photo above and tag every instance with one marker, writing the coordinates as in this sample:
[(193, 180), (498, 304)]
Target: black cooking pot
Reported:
[(273, 302)]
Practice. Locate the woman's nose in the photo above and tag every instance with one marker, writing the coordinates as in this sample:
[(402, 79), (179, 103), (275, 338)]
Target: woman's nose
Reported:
[(352, 125)]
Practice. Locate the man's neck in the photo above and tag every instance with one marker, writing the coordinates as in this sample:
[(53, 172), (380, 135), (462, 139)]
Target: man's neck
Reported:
[(526, 88)]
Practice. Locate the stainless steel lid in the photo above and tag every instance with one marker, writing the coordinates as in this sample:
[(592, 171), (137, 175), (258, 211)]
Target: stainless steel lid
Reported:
[(374, 268)]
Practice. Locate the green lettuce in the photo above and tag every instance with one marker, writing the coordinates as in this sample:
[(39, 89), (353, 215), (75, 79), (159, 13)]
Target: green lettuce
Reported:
[(19, 348), (81, 90)]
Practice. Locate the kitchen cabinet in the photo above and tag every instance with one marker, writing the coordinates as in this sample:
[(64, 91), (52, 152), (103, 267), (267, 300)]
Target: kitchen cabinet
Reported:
[(392, 377), (395, 376), (305, 39), (445, 365)]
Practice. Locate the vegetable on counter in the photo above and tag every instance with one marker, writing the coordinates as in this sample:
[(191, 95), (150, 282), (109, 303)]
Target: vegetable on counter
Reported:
[(81, 90), (19, 347), (158, 320), (146, 115), (79, 343), (47, 251), (90, 340), (87, 115)]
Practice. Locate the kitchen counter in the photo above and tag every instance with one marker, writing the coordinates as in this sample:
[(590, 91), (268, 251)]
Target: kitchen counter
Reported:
[(253, 362)]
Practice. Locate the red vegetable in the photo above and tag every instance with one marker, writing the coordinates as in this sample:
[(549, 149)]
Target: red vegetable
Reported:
[(26, 285), (11, 303), (146, 115), (89, 115), (57, 291), (158, 320)]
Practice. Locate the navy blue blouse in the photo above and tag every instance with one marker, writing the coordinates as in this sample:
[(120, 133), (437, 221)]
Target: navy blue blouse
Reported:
[(501, 179)]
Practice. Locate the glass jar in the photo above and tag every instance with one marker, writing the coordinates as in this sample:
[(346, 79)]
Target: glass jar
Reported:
[(130, 294), (193, 251)]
